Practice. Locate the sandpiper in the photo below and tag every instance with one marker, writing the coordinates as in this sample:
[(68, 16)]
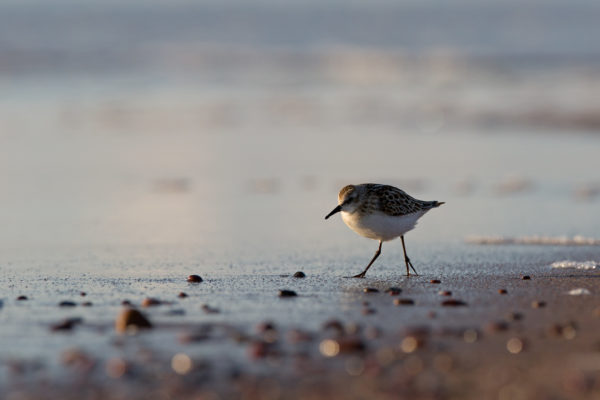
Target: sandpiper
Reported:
[(380, 212)]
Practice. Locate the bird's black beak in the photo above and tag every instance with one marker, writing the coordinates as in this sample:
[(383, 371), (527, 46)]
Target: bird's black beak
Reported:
[(334, 211)]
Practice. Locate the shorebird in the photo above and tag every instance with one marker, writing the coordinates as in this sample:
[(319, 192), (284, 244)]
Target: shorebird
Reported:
[(380, 212)]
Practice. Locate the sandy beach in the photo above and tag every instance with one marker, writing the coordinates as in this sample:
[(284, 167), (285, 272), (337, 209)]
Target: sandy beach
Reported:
[(145, 142)]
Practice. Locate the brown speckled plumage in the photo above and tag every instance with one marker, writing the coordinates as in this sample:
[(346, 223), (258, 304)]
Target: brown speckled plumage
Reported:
[(386, 199)]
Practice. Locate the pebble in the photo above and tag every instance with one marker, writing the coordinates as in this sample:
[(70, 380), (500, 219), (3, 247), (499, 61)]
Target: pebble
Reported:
[(87, 304), (445, 293), (126, 303), (66, 325), (150, 302), (83, 294), (350, 344), (265, 326), (394, 291), (514, 316), (453, 303), (182, 295), (370, 290), (368, 311), (404, 302), (21, 298), (435, 281), (538, 304), (496, 326), (299, 274), (209, 310), (194, 279), (335, 325), (67, 303), (502, 291), (131, 317), (287, 293), (525, 277)]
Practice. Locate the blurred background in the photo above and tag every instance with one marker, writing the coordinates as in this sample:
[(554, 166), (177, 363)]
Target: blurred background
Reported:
[(229, 126)]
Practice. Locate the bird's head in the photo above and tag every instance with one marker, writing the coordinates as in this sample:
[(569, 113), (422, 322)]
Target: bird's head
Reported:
[(348, 200)]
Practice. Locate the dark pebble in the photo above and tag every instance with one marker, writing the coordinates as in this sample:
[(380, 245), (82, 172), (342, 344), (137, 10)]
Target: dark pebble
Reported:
[(194, 279), (182, 295), (502, 291), (496, 326), (368, 311), (126, 303), (150, 302), (209, 310), (453, 303), (526, 277), (87, 304), (370, 290), (21, 298), (67, 303), (445, 293), (435, 281), (394, 291), (83, 294), (299, 274), (404, 302), (334, 324), (131, 317), (351, 345), (287, 293), (66, 325), (514, 316), (265, 326), (261, 349), (538, 304)]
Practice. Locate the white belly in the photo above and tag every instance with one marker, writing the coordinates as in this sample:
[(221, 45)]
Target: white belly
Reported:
[(380, 226)]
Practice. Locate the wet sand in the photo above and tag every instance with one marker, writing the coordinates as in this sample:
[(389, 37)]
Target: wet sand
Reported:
[(478, 333)]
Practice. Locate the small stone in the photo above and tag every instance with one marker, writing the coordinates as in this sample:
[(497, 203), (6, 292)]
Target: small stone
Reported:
[(435, 281), (445, 293), (299, 274), (368, 311), (265, 326), (209, 310), (370, 290), (131, 318), (525, 277), (351, 344), (66, 325), (404, 302), (502, 291), (126, 303), (287, 293), (182, 295), (83, 294), (453, 303), (67, 303), (514, 316), (87, 304), (496, 326), (21, 298), (150, 302), (538, 304), (194, 279), (394, 291), (335, 325)]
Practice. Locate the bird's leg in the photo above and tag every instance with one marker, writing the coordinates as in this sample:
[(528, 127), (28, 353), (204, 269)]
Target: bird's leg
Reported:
[(406, 259), (377, 253)]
